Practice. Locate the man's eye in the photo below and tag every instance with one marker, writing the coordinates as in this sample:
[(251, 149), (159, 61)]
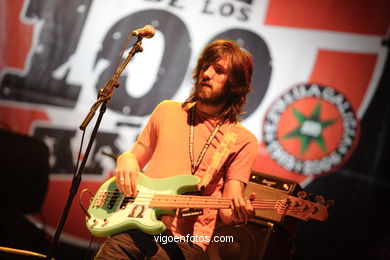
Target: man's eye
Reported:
[(205, 67), (220, 70)]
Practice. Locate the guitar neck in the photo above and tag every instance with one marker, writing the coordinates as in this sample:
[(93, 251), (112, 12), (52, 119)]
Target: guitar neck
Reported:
[(291, 206), (188, 201)]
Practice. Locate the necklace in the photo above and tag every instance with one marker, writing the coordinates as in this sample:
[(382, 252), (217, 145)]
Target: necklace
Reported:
[(194, 167)]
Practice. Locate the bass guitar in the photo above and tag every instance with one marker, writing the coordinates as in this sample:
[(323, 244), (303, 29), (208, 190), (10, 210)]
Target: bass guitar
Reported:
[(111, 212)]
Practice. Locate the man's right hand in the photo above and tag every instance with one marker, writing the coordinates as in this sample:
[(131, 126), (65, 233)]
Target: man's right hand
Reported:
[(126, 173)]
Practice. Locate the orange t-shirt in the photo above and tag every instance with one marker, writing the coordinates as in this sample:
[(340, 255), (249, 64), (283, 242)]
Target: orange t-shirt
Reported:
[(167, 131)]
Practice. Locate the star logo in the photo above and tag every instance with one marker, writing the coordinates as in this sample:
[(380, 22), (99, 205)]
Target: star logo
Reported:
[(310, 128)]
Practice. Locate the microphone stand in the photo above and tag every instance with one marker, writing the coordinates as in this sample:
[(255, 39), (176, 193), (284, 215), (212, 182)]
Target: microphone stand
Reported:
[(104, 97)]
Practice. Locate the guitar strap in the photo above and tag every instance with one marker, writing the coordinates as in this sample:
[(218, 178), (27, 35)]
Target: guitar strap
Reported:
[(220, 154), (219, 157)]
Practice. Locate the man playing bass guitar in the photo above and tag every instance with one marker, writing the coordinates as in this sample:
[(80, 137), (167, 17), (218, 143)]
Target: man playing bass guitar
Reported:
[(200, 137)]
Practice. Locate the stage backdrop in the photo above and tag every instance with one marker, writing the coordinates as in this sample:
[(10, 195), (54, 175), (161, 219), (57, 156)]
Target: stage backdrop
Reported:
[(317, 67)]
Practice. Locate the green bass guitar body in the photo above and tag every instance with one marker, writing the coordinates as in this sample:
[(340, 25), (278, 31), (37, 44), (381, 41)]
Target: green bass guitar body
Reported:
[(111, 212)]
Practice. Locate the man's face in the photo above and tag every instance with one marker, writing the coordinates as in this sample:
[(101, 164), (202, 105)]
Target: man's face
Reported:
[(211, 81)]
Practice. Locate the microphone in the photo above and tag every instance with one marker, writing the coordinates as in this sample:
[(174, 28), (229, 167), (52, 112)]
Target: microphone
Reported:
[(147, 32)]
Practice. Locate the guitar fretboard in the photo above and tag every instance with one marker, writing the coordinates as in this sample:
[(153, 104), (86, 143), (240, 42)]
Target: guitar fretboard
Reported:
[(188, 201), (291, 205)]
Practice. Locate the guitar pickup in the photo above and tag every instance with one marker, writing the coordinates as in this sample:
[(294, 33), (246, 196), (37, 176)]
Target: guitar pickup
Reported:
[(113, 200), (125, 201)]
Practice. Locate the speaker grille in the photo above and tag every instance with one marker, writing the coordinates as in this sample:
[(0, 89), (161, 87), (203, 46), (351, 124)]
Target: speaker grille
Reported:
[(268, 187)]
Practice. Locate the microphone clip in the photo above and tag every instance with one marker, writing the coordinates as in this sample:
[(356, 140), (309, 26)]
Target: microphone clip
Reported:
[(147, 31)]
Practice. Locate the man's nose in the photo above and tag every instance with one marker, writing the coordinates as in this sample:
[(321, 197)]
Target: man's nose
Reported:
[(208, 72)]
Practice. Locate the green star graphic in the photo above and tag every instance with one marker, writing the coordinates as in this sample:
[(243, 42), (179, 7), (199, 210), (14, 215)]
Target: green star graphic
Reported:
[(309, 128)]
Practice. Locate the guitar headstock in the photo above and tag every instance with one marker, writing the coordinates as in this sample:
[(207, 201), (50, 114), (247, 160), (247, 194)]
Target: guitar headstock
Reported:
[(301, 208)]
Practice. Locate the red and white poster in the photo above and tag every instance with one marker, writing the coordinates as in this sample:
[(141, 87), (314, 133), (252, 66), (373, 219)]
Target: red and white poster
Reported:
[(317, 67)]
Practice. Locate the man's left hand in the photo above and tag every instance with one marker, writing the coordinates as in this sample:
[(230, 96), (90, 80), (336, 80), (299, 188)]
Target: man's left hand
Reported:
[(242, 210)]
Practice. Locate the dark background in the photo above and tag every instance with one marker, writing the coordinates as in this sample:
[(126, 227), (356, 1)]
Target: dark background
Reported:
[(358, 226)]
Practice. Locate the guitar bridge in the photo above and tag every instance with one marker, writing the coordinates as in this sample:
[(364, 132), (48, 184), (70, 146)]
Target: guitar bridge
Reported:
[(101, 199)]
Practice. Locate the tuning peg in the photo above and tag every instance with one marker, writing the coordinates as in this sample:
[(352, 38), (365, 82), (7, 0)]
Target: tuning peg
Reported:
[(329, 203), (320, 200), (312, 197), (302, 194)]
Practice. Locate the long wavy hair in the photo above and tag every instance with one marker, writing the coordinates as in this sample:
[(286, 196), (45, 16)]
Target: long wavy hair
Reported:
[(239, 73)]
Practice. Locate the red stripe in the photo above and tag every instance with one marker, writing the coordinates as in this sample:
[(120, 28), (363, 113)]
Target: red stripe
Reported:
[(20, 120), (349, 73), (56, 199), (355, 16), (18, 36)]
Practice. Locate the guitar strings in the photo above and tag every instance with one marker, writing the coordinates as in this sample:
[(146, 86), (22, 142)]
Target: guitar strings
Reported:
[(154, 196), (175, 198), (177, 201)]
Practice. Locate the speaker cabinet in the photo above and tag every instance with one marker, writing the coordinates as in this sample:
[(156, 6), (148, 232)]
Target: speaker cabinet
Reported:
[(253, 241), (268, 187), (269, 235)]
